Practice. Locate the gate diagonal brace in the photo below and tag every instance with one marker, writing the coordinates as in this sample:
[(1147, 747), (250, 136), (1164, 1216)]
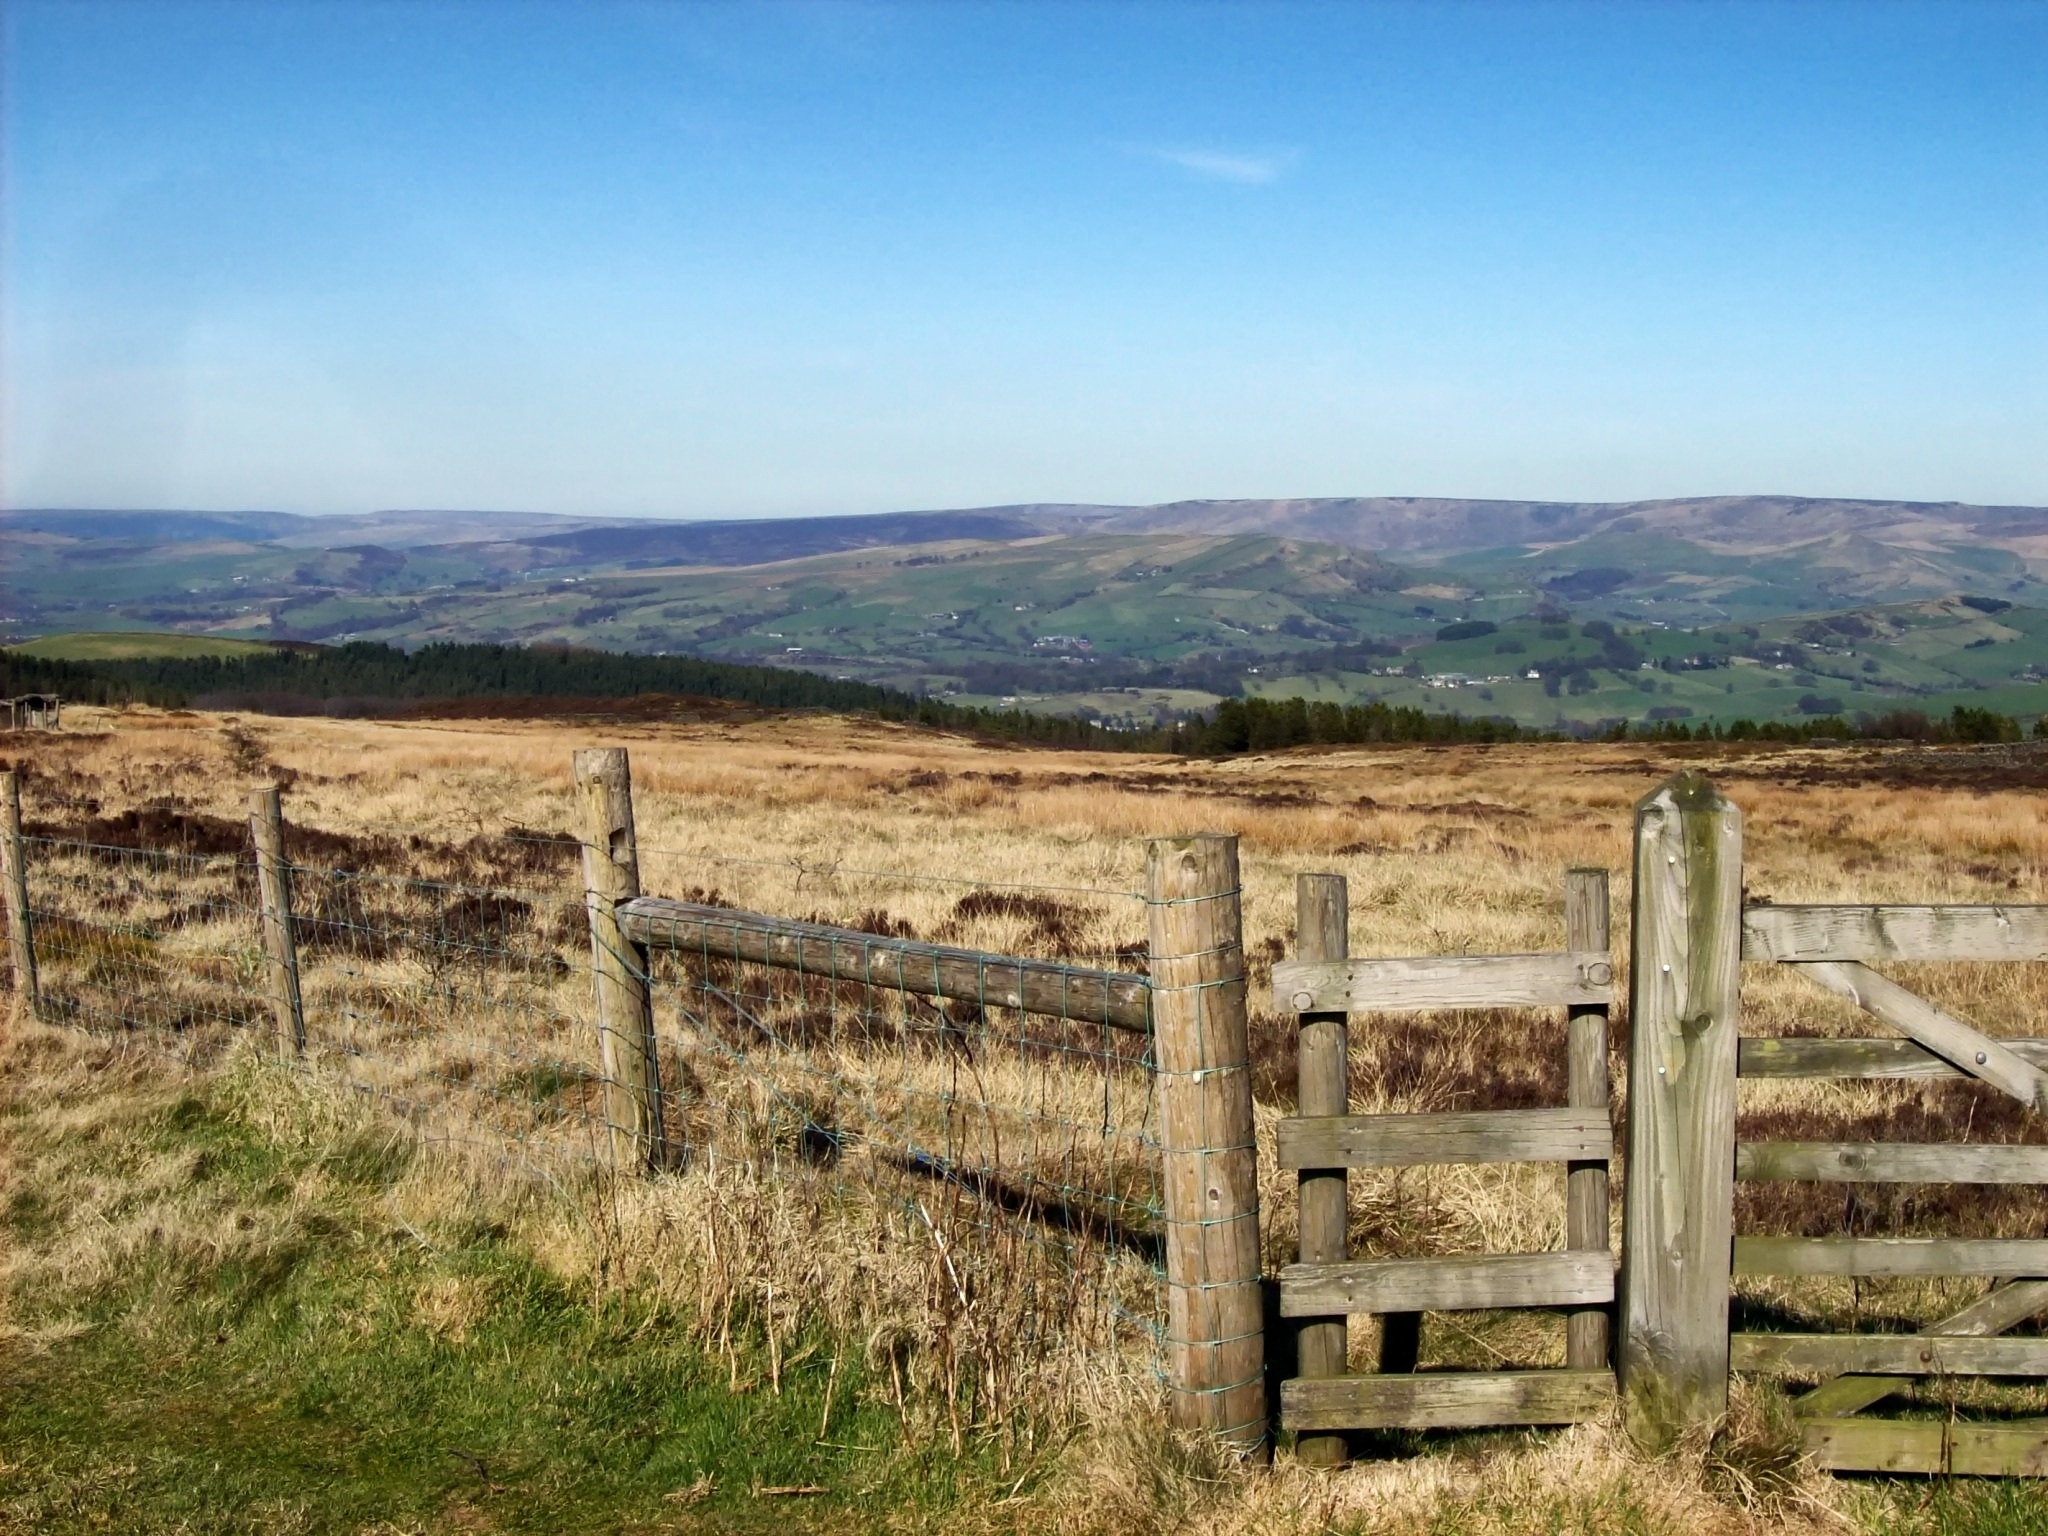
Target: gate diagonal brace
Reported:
[(1968, 1047), (2001, 1310)]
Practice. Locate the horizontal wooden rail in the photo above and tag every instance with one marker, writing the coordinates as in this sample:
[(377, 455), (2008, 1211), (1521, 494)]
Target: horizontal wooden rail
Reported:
[(1474, 1136), (1443, 981), (1446, 1400), (1962, 1043), (1890, 1256), (1810, 1354), (1895, 933), (1804, 1056), (1115, 998), (1937, 1446), (1887, 1162), (1575, 1278), (2002, 1307)]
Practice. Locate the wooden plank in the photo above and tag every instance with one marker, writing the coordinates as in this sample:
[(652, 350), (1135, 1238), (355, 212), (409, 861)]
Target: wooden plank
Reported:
[(1446, 1400), (1465, 1283), (1215, 1301), (1322, 924), (1967, 1047), (1890, 1256), (1932, 1446), (625, 1010), (1678, 1201), (1803, 1056), (1908, 1354), (1420, 983), (2000, 1308), (1895, 933), (1587, 1216), (1116, 998), (1883, 1162), (1463, 1136), (274, 895), (21, 947)]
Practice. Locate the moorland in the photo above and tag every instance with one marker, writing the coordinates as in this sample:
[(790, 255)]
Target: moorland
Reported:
[(233, 1302)]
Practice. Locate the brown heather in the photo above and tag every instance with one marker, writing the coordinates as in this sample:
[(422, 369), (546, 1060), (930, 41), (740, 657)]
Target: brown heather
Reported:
[(1450, 850)]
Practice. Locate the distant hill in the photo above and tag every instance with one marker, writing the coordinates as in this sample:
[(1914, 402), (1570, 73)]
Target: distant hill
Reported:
[(291, 530), (1132, 612), (1417, 525)]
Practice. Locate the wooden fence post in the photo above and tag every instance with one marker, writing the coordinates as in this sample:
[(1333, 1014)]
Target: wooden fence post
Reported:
[(625, 1010), (14, 876), (1322, 927), (1587, 1220), (1678, 1204), (1215, 1306), (280, 945)]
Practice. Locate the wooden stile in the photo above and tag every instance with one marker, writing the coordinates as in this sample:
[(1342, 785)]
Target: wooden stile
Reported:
[(1322, 1344), (1215, 1301), (1895, 933), (1463, 1136), (1678, 1203), (625, 1011), (1422, 983), (280, 943), (1450, 1400), (1464, 1283), (21, 947), (1587, 1223)]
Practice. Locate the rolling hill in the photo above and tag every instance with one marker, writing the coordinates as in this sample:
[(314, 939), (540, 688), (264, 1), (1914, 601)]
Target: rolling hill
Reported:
[(1071, 607)]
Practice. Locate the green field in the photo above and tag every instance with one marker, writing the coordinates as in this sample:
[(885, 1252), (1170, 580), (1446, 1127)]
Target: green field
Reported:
[(111, 645), (1143, 626)]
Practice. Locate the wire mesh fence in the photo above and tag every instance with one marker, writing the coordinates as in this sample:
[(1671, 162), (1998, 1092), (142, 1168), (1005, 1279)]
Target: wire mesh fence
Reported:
[(889, 1071), (1010, 1141), (156, 945)]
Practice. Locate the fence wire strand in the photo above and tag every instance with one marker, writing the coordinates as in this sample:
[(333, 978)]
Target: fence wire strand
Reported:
[(1021, 1148)]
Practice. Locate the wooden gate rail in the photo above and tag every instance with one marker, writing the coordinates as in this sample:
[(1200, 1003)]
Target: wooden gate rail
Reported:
[(1321, 1146), (1830, 945), (1119, 999)]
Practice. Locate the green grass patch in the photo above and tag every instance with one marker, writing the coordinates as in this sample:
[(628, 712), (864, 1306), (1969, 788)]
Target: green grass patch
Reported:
[(110, 645), (226, 1333)]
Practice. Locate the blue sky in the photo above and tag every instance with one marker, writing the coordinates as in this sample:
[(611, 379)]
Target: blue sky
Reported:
[(753, 260)]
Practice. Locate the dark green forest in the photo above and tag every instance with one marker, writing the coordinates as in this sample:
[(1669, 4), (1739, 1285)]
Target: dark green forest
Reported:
[(371, 679)]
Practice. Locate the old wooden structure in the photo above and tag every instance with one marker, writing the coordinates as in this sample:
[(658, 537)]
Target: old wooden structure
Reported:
[(34, 712)]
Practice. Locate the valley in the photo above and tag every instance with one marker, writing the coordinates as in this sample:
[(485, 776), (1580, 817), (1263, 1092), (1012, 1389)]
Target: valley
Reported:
[(1557, 616)]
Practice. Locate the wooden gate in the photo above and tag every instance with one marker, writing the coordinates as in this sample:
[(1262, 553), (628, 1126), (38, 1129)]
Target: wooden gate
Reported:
[(1833, 945), (1324, 988)]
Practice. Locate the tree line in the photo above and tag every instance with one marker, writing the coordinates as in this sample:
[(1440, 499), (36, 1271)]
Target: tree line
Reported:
[(370, 678)]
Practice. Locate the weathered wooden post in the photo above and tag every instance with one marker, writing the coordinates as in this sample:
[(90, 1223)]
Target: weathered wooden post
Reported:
[(21, 946), (1215, 1311), (1586, 1208), (1322, 927), (1678, 1205), (280, 944), (625, 1010)]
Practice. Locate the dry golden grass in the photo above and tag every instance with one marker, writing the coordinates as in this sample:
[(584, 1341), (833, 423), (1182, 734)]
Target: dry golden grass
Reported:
[(1446, 850)]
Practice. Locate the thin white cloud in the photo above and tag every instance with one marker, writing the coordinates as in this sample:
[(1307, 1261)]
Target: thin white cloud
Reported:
[(1252, 170)]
